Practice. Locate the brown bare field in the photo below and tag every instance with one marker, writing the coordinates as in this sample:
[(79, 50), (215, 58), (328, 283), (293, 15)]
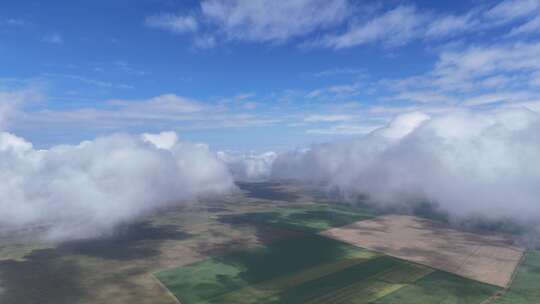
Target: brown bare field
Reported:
[(486, 258)]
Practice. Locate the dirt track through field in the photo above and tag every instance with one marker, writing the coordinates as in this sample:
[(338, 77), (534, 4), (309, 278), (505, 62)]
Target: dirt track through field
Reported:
[(486, 258)]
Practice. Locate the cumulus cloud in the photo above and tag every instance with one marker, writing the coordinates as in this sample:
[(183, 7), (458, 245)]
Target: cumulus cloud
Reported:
[(10, 101), (470, 164), (248, 166), (86, 190)]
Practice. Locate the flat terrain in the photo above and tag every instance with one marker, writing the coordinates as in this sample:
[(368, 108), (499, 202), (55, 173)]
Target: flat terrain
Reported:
[(260, 244), (525, 286), (313, 269), (485, 258), (119, 268)]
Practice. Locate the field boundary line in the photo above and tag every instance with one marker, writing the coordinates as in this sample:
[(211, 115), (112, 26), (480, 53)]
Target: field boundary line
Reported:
[(501, 293), (514, 273), (167, 290)]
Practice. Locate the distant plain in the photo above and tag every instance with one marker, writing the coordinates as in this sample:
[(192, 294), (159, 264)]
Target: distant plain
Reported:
[(260, 245)]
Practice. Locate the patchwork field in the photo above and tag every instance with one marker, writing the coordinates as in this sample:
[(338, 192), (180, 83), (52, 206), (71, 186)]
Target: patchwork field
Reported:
[(307, 218), (489, 259), (260, 245), (314, 269)]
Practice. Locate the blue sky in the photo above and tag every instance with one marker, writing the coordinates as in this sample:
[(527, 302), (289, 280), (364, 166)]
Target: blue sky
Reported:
[(258, 75)]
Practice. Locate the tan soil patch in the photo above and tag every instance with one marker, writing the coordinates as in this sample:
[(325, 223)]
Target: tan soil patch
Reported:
[(486, 258)]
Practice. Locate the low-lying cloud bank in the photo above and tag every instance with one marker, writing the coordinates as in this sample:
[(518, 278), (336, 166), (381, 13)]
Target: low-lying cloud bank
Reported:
[(250, 166), (88, 189), (483, 165)]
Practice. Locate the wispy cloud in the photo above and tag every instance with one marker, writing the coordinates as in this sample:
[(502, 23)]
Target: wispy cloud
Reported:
[(173, 23), (254, 21), (17, 22), (344, 129), (168, 111), (337, 24), (91, 81), (509, 10), (338, 71), (53, 39), (327, 118), (531, 26), (392, 28)]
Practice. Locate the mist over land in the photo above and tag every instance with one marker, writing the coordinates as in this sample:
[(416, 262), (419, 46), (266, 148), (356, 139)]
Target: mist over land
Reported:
[(474, 168), (471, 167)]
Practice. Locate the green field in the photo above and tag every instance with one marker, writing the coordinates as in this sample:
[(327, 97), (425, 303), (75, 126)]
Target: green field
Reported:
[(314, 269), (311, 218), (525, 288)]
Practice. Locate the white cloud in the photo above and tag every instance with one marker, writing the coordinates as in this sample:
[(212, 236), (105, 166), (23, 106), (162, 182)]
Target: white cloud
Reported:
[(468, 163), (249, 105), (17, 22), (174, 23), (508, 10), (327, 118), (163, 140), (167, 103), (460, 74), (254, 21), (10, 101), (534, 80), (343, 129), (392, 28), (163, 112), (531, 26), (53, 39), (167, 107), (275, 21), (205, 42), (248, 166), (320, 23), (489, 98), (337, 91), (479, 61), (450, 25), (425, 96), (93, 82), (338, 71), (88, 189)]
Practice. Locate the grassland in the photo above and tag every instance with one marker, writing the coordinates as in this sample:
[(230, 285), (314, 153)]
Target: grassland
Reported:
[(313, 269)]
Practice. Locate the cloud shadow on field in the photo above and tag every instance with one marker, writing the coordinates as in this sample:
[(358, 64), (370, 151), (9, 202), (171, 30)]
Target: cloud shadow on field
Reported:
[(43, 277), (267, 191), (127, 243)]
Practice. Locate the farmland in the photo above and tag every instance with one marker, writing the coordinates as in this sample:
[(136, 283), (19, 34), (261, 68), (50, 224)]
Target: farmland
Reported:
[(314, 269), (262, 245), (487, 258), (524, 288)]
